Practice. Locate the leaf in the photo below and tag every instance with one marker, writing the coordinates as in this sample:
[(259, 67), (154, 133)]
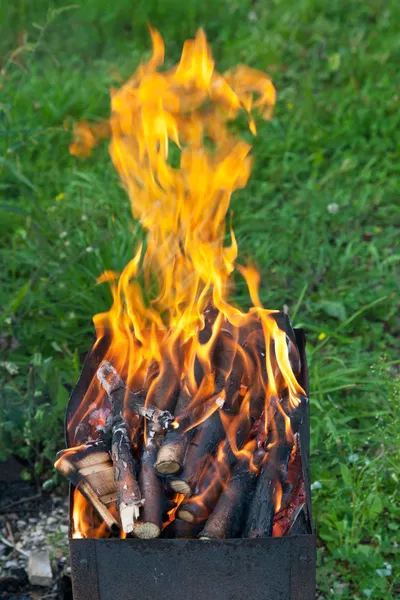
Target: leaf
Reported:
[(374, 504), (334, 61), (333, 309), (346, 475), (16, 302)]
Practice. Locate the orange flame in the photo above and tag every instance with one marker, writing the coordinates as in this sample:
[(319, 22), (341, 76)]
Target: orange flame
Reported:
[(173, 147)]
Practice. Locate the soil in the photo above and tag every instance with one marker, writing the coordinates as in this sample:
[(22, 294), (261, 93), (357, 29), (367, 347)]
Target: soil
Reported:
[(31, 520)]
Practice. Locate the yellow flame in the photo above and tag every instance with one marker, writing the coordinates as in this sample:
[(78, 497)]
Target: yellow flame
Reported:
[(173, 147), (183, 111)]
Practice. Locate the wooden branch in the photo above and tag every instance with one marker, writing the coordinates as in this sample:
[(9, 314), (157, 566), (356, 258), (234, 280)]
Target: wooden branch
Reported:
[(210, 484), (203, 443), (132, 401), (181, 529), (274, 472), (129, 499), (152, 489), (226, 520), (171, 454)]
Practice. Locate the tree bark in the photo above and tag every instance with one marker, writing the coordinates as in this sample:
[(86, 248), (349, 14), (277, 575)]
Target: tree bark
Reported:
[(152, 489)]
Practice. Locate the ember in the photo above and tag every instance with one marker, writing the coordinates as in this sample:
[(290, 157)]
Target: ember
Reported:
[(191, 423)]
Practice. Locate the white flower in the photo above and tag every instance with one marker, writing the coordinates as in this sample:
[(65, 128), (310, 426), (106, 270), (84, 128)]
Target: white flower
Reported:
[(333, 208), (386, 572), (252, 16), (67, 243), (316, 486), (63, 234), (367, 593), (71, 315), (353, 458), (84, 218), (10, 367), (89, 249)]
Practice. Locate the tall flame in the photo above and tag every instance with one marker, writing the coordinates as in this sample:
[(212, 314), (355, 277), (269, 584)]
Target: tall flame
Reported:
[(174, 148)]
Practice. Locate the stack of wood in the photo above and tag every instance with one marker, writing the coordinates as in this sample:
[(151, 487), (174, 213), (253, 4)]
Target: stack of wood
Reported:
[(212, 468)]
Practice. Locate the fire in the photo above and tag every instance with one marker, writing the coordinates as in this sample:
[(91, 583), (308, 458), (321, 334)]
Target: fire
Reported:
[(172, 143), (86, 522)]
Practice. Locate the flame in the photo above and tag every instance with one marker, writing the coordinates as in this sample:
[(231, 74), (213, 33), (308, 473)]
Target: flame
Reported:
[(171, 514), (172, 145), (86, 523)]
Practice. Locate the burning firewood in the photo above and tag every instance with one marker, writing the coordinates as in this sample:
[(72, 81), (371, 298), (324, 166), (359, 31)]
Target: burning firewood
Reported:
[(181, 529), (213, 478), (211, 431), (152, 489), (226, 519), (129, 498), (133, 401), (171, 454), (273, 473), (89, 468)]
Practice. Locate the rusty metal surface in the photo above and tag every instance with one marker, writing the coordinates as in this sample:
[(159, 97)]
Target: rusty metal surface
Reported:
[(261, 569)]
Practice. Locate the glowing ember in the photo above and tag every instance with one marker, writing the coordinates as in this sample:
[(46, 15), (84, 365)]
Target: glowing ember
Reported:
[(173, 336)]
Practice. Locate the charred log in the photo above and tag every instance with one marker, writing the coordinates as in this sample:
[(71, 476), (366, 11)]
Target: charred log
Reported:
[(212, 480), (181, 529), (226, 520), (204, 443), (274, 472)]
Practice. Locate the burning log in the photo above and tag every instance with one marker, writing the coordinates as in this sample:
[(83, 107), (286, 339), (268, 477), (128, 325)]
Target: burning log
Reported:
[(211, 431), (227, 518), (213, 479), (129, 497), (203, 443), (89, 468), (181, 529), (171, 454), (273, 474), (117, 391), (152, 489)]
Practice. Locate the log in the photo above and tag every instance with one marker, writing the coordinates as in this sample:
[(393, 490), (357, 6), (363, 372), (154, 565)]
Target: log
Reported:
[(209, 433), (291, 519), (180, 529), (152, 490), (134, 402), (274, 472), (213, 479), (171, 454), (129, 498), (89, 468), (226, 520), (203, 443)]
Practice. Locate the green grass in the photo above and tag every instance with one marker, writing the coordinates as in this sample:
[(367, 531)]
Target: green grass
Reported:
[(334, 141)]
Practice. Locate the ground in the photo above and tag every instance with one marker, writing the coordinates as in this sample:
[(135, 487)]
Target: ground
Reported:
[(320, 218)]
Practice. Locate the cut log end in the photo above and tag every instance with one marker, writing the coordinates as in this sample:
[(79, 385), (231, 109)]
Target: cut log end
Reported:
[(168, 467), (186, 516), (146, 531), (180, 486)]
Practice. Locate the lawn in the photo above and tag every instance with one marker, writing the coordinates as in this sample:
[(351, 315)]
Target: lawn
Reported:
[(320, 217)]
